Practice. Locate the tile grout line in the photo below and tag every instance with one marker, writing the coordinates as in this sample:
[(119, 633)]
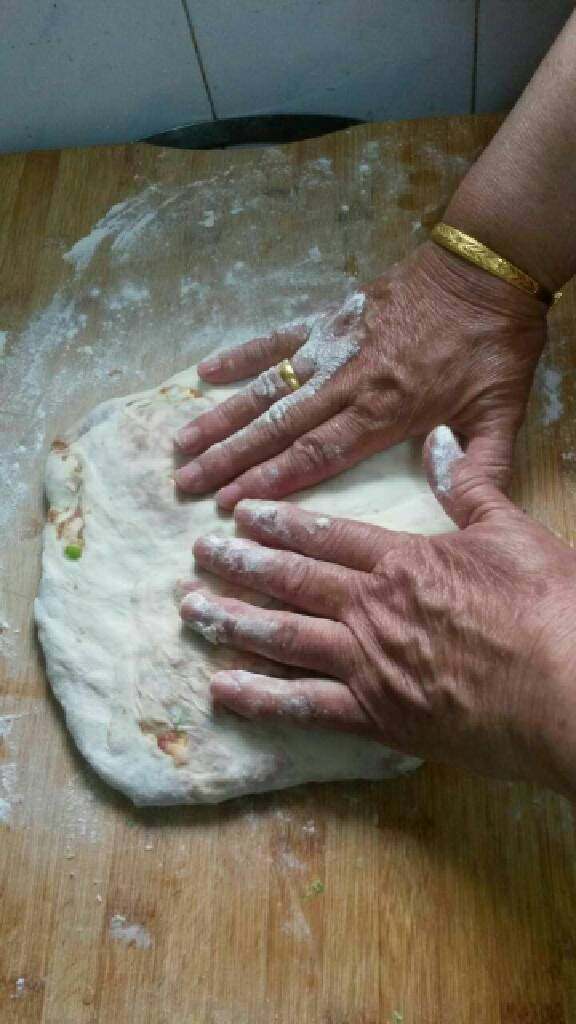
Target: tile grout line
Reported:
[(474, 81), (203, 74)]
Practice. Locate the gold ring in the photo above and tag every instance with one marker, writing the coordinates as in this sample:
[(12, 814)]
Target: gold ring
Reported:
[(286, 371)]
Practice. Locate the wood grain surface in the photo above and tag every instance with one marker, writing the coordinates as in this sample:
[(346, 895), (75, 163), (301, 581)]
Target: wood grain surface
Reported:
[(436, 899)]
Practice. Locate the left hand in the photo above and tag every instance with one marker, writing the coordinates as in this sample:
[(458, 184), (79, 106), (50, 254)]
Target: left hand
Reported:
[(455, 647), (432, 340)]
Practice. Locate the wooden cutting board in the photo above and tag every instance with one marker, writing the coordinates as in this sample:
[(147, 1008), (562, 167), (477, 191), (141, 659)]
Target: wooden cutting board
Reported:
[(436, 899)]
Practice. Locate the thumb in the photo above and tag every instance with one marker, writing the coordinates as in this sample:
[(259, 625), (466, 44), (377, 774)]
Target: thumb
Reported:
[(467, 483)]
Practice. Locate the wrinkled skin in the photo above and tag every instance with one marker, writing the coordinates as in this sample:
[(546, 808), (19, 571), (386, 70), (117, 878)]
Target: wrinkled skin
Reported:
[(457, 647), (438, 341)]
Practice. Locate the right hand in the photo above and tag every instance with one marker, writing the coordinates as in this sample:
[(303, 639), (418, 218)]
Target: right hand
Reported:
[(458, 647)]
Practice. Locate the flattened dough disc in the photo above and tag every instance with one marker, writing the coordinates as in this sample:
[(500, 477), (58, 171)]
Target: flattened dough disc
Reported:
[(133, 681)]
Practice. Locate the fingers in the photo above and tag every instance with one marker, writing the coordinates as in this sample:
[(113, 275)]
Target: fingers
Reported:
[(464, 482), (342, 542), (304, 583), (321, 453), (286, 637), (254, 356), (232, 415), (312, 703), (266, 436)]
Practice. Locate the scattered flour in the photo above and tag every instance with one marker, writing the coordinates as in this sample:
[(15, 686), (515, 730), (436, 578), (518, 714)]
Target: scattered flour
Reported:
[(268, 384), (289, 860), (8, 771), (549, 382), (125, 222), (319, 523), (80, 812), (20, 988), (6, 723), (238, 554), (297, 706), (189, 287), (214, 623), (354, 304), (129, 294), (444, 450), (297, 925), (8, 790), (322, 163), (448, 163), (268, 515), (372, 149), (260, 510), (8, 641), (130, 934), (325, 352)]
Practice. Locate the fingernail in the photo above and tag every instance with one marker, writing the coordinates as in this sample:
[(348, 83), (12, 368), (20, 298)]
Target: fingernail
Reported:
[(228, 496), (210, 365), (212, 544), (258, 505), (190, 477), (187, 437), (231, 680), (259, 512), (204, 617)]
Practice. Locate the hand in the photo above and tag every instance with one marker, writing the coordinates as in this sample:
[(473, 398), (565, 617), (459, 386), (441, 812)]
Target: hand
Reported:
[(435, 340), (457, 647)]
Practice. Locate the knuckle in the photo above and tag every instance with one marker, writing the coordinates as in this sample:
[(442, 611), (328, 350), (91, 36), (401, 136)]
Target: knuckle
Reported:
[(400, 574), (310, 452), (298, 577), (371, 407), (260, 347), (289, 636), (223, 418)]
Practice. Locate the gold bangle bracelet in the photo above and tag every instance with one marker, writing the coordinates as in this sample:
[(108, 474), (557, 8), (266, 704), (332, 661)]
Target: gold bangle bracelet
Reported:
[(480, 255)]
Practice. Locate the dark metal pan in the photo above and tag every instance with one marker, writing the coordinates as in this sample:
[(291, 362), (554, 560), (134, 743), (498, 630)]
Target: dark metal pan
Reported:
[(262, 130)]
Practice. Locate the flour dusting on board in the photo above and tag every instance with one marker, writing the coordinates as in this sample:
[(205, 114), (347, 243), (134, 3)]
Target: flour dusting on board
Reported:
[(130, 934), (8, 790), (9, 797), (549, 383), (124, 225)]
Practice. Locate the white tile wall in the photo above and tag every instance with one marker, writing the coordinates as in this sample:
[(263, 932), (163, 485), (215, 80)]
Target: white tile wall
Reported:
[(81, 71), (373, 59), (513, 36), (74, 72)]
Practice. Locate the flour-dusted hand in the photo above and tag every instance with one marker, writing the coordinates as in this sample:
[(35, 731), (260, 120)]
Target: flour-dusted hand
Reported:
[(458, 647), (434, 340)]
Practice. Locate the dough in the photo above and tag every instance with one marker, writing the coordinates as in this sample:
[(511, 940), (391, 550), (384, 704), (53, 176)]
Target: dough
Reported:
[(133, 681)]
